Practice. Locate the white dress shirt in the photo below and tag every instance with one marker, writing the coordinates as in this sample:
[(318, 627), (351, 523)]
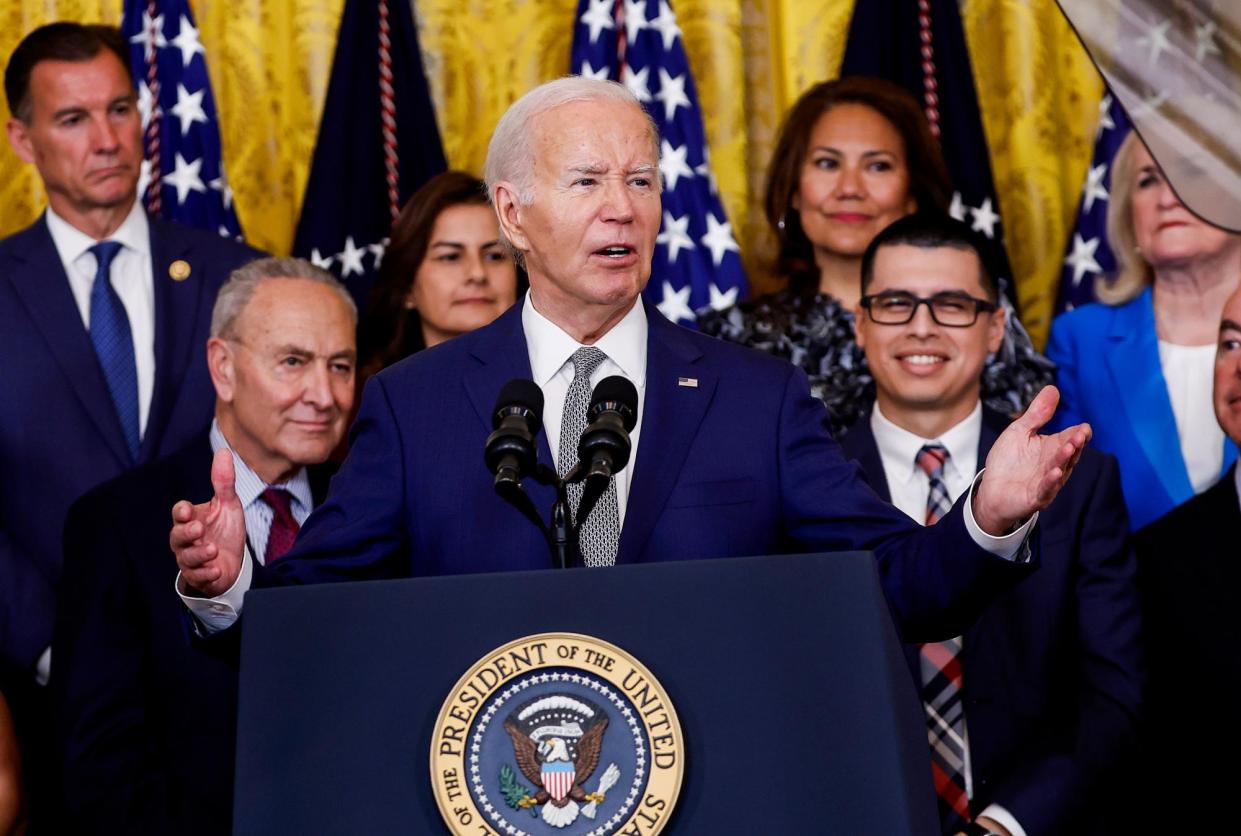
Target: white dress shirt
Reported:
[(909, 485), (551, 361), (131, 276), (1189, 371), (249, 486)]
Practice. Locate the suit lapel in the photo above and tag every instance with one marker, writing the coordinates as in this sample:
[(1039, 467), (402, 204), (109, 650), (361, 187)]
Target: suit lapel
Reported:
[(859, 444), (1132, 357), (673, 415), (176, 312), (502, 355), (40, 281), (992, 425)]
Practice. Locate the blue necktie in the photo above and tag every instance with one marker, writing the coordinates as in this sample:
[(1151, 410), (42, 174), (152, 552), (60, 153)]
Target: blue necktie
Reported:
[(114, 344)]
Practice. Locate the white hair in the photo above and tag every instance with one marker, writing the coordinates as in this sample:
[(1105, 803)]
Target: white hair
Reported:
[(509, 156), (245, 280)]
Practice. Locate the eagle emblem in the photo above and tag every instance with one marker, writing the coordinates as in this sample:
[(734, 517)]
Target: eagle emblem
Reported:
[(557, 741)]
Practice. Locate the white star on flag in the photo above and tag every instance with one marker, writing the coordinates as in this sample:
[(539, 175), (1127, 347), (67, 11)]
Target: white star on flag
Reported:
[(189, 108), (720, 301), (320, 260), (675, 305), (351, 259), (1105, 115), (378, 251), (590, 72), (598, 17), (675, 236), (635, 19), (144, 176), (1094, 186), (957, 208), (187, 41), (144, 36), (146, 103), (672, 164), (1204, 35), (985, 218), (1156, 38), (185, 178), (671, 93), (1082, 258), (220, 184), (638, 83), (719, 239), (666, 25)]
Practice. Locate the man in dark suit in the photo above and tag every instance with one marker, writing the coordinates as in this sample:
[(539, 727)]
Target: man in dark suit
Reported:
[(100, 376), (1029, 712), (281, 357), (731, 455), (1189, 571)]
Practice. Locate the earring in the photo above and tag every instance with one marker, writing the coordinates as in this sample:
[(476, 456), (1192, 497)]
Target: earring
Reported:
[(780, 223)]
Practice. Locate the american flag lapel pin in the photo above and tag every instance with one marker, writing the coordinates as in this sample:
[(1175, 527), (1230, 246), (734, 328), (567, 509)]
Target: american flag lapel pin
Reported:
[(688, 382)]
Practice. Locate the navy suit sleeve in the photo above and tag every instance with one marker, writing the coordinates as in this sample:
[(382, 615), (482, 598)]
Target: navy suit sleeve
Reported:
[(1062, 350), (360, 531), (937, 580), (110, 773), (24, 593), (1049, 788)]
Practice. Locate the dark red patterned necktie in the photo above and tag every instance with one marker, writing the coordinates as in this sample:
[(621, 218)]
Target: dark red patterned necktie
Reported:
[(284, 527)]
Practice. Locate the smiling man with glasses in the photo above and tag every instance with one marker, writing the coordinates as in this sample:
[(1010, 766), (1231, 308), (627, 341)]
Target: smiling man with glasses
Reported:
[(1052, 669)]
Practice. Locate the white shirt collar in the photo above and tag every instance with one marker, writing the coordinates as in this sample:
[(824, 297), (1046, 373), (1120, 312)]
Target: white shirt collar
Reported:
[(551, 348), (249, 485), (897, 444), (133, 234)]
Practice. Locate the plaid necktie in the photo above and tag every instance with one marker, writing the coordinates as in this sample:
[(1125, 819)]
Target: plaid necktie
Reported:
[(284, 526), (599, 536), (940, 664), (114, 344)]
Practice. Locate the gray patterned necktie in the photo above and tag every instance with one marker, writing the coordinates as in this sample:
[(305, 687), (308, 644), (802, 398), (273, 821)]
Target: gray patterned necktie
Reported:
[(600, 535)]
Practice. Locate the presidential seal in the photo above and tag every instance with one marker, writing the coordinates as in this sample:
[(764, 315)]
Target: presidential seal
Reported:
[(557, 734)]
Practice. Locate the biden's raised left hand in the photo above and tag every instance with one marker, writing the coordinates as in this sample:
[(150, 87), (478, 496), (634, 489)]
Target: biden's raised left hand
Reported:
[(1026, 470)]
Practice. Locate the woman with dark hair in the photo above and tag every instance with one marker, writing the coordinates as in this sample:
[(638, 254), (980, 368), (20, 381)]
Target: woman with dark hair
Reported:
[(445, 272), (853, 155)]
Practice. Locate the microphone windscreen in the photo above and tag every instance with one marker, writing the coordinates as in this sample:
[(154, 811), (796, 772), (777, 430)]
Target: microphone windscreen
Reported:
[(618, 393), (521, 394)]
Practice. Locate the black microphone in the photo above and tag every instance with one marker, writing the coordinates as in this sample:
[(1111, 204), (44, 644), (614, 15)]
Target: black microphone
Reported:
[(511, 453), (613, 413)]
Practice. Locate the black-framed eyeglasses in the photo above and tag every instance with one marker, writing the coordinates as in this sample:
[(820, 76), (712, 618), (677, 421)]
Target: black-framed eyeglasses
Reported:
[(950, 308)]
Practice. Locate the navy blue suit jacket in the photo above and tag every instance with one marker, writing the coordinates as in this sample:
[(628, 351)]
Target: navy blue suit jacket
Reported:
[(146, 724), (1052, 670), (739, 464), (1189, 573), (1109, 374), (59, 434)]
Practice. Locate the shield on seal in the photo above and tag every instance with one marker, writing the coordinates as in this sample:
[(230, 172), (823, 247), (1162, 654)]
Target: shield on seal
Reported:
[(558, 779)]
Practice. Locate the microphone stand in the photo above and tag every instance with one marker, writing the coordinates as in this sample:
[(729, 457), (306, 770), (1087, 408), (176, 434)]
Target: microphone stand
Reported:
[(561, 533)]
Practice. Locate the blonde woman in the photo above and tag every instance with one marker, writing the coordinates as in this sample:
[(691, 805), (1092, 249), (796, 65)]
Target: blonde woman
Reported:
[(1138, 364)]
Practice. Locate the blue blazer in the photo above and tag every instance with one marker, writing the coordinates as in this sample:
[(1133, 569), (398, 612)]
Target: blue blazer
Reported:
[(739, 464), (1052, 670), (59, 434), (1109, 374), (146, 724)]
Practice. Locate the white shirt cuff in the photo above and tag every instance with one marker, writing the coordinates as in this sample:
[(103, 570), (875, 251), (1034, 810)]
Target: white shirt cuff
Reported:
[(221, 612), (43, 668), (1003, 818), (1011, 546)]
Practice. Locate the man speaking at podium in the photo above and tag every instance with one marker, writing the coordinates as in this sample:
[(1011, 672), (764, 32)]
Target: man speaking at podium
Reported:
[(731, 455)]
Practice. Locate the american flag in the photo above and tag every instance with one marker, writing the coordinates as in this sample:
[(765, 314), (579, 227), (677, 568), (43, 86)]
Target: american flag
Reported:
[(1088, 255), (697, 261), (183, 170)]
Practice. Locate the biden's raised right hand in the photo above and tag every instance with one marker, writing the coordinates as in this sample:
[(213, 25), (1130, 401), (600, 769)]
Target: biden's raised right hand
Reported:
[(209, 539)]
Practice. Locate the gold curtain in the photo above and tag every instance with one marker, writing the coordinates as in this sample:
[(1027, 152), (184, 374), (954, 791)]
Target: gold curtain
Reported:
[(269, 62)]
